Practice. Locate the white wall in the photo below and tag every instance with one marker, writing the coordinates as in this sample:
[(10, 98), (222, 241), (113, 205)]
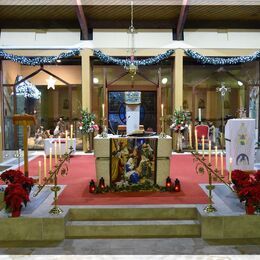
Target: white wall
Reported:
[(219, 39)]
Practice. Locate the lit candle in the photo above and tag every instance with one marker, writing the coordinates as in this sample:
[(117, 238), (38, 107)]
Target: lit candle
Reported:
[(66, 141), (59, 147), (221, 164), (190, 137), (50, 159), (55, 152), (216, 157), (230, 169), (196, 140), (162, 109), (199, 114), (203, 143), (103, 110), (44, 166), (39, 171), (209, 151)]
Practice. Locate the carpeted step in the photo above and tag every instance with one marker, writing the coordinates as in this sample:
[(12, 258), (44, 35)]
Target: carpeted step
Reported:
[(133, 213), (132, 229)]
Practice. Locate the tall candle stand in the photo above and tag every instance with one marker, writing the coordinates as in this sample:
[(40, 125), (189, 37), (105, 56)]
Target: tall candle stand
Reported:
[(104, 128), (203, 167), (162, 134)]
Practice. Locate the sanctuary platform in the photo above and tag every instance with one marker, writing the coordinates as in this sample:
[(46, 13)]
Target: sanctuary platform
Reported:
[(130, 214)]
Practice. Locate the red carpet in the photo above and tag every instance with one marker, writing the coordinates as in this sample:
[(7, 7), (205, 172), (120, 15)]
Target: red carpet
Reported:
[(82, 170)]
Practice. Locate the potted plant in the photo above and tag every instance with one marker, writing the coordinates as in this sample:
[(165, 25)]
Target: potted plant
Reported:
[(88, 126), (17, 191)]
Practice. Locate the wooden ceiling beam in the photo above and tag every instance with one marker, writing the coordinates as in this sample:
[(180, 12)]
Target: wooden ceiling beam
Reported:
[(82, 19), (182, 20)]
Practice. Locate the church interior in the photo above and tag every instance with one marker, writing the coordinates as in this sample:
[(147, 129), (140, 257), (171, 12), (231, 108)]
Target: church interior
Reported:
[(129, 127)]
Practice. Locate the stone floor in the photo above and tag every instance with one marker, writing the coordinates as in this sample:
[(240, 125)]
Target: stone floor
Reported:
[(170, 246)]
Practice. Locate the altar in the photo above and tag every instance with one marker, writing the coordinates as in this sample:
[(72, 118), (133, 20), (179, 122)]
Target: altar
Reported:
[(133, 158), (50, 143)]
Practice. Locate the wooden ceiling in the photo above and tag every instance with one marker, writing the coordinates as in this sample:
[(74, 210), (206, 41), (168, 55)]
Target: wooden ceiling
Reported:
[(118, 16)]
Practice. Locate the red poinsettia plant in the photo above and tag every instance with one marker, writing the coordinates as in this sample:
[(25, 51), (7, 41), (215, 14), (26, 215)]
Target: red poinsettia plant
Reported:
[(247, 186), (17, 191)]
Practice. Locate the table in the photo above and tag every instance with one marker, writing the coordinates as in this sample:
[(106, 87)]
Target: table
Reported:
[(49, 143), (103, 149)]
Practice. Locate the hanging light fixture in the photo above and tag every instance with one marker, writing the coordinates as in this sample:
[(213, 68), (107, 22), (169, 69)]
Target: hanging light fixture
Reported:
[(132, 67)]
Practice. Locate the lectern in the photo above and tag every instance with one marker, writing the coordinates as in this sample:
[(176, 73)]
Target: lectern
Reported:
[(24, 120)]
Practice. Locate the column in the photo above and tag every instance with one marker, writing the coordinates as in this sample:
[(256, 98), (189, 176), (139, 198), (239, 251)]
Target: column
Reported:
[(178, 79), (86, 84), (1, 112)]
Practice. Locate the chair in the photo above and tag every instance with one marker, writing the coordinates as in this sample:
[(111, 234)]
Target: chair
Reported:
[(202, 130)]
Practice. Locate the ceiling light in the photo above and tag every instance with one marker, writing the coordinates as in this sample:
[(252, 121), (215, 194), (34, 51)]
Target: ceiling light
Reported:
[(51, 82), (95, 80), (240, 83), (59, 61), (164, 80)]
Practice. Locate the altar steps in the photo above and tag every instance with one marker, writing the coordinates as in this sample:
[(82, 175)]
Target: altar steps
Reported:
[(141, 222)]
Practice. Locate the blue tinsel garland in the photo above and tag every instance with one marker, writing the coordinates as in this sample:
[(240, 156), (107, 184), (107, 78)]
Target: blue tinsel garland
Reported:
[(126, 62), (37, 60), (222, 61)]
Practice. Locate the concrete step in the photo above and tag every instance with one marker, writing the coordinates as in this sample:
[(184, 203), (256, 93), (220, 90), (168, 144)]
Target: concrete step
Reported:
[(132, 229), (133, 213)]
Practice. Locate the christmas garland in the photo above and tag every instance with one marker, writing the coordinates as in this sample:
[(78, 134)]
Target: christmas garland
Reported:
[(222, 61), (37, 60), (126, 62)]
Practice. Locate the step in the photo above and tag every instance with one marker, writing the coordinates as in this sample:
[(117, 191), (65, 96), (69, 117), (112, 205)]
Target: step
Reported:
[(132, 229), (133, 213)]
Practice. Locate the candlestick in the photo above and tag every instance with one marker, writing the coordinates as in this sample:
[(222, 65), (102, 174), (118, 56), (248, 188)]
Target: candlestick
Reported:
[(39, 171), (59, 147), (50, 159), (199, 114), (230, 169), (196, 140), (221, 164), (55, 152), (210, 151), (216, 157), (66, 141), (190, 137), (203, 143), (162, 109), (103, 110), (44, 166)]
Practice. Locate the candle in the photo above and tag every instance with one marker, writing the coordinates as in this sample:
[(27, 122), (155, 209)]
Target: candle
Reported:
[(221, 164), (66, 141), (203, 143), (50, 159), (209, 151), (196, 140), (230, 169), (71, 134), (39, 171), (190, 137), (55, 152), (59, 147), (162, 109), (216, 157), (44, 166), (103, 110), (199, 114)]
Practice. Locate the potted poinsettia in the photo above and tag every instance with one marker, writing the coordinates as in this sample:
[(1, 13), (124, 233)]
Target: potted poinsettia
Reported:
[(17, 191)]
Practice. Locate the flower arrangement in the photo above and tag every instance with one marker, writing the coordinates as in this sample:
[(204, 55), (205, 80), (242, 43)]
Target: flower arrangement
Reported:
[(17, 191), (87, 124), (247, 187), (180, 121)]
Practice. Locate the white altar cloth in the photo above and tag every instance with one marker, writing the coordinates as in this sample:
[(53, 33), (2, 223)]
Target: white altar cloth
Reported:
[(240, 143), (49, 143)]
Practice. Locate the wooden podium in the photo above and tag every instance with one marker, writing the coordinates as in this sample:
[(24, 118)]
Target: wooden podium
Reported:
[(24, 120)]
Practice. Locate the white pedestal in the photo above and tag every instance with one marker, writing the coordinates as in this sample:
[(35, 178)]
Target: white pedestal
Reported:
[(132, 118)]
